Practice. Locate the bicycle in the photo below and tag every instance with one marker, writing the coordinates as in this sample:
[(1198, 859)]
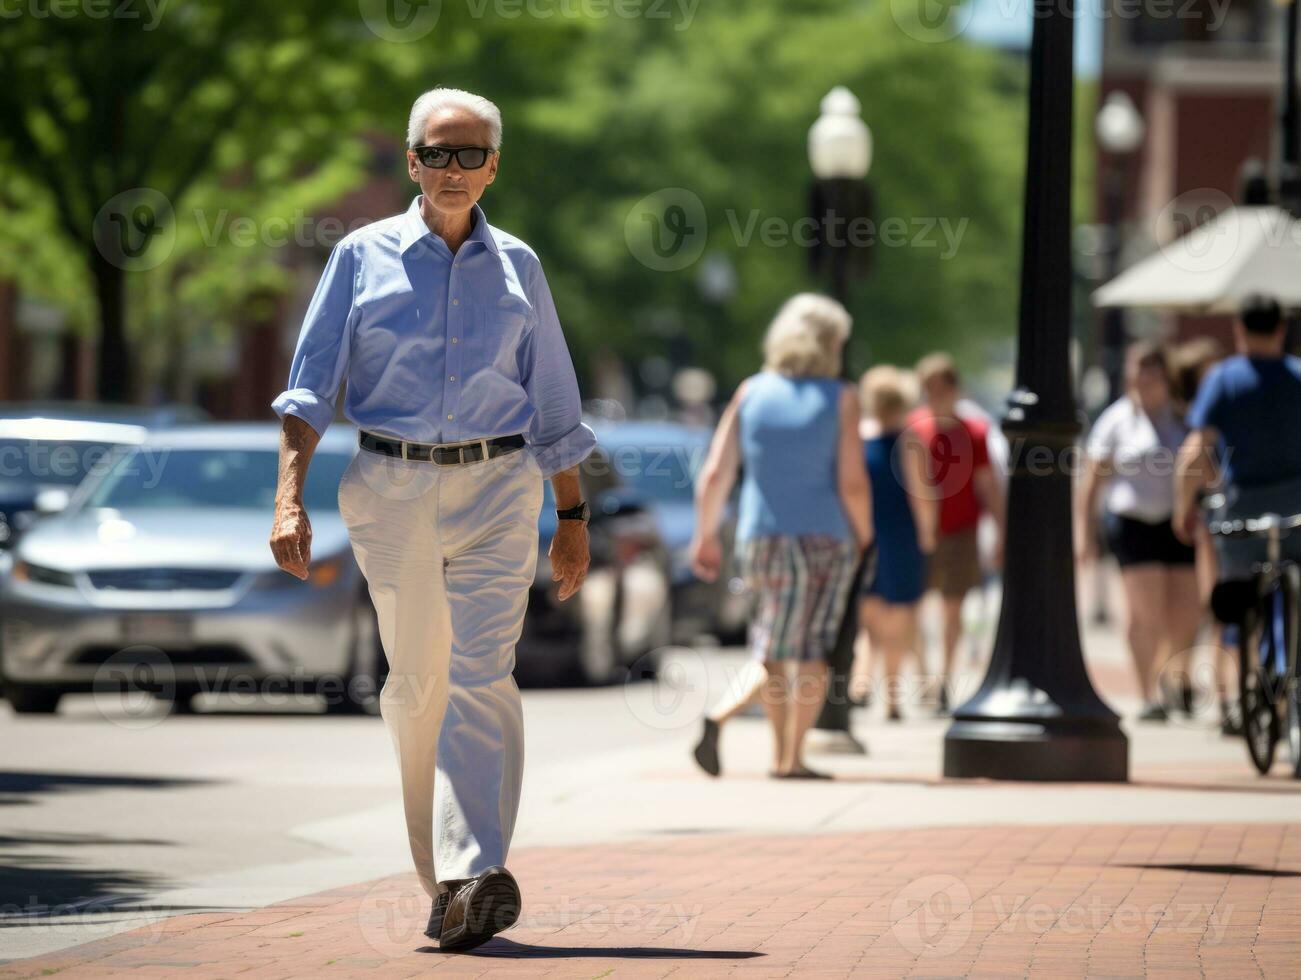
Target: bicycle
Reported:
[(1269, 673)]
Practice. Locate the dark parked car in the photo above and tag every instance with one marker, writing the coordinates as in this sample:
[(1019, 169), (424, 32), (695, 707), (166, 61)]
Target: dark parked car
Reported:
[(660, 460), (622, 613)]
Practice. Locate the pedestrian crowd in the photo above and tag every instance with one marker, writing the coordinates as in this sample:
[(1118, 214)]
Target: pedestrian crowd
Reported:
[(865, 497)]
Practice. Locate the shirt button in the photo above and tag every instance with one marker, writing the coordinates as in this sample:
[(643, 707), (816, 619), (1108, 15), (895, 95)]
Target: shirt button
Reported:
[(456, 302), (453, 340), (451, 377), (449, 417)]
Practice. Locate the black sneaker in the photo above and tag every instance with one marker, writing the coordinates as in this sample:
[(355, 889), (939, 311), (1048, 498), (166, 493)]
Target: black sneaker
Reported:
[(479, 909), (706, 750), (435, 927)]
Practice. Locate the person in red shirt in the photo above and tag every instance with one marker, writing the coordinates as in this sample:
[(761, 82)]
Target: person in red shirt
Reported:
[(965, 483)]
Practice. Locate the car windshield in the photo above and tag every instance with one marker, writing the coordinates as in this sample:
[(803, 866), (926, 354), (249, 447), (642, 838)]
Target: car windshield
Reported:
[(663, 472), (26, 464), (216, 478)]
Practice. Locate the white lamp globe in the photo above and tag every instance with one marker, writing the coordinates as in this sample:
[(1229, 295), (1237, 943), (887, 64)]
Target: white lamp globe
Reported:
[(840, 144)]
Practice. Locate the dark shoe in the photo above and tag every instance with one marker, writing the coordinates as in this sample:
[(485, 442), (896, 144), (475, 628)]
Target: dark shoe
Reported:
[(479, 909), (706, 751), (435, 927), (1230, 721), (942, 705), (893, 714), (1152, 712), (804, 772)]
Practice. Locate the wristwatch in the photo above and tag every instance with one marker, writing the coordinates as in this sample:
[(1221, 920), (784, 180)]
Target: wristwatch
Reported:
[(578, 512)]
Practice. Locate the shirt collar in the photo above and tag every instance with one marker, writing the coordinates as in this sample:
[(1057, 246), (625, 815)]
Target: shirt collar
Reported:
[(414, 228)]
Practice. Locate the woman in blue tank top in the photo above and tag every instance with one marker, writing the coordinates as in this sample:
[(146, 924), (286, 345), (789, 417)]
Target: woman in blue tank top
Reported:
[(904, 515), (805, 517)]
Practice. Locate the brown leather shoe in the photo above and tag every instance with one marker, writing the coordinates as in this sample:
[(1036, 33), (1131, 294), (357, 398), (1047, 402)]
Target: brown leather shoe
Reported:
[(479, 909)]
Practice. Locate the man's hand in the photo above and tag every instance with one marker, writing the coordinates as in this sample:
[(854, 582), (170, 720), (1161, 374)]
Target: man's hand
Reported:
[(291, 538), (291, 531), (569, 557)]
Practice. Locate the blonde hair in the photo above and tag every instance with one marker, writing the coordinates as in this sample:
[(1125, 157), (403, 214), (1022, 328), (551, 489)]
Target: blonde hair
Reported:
[(806, 336), (887, 392)]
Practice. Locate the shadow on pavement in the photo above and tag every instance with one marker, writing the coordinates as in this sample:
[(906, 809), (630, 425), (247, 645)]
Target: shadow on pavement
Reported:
[(39, 887), (1216, 869), (17, 786), (507, 949)]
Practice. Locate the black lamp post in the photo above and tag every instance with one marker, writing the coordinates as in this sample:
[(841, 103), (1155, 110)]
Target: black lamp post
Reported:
[(1119, 130), (840, 203), (1036, 715)]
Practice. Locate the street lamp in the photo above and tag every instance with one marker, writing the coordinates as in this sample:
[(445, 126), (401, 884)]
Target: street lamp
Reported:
[(840, 203), (840, 155), (1036, 716), (1120, 130)]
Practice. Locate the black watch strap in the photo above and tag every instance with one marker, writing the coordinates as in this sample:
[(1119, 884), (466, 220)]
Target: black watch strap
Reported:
[(578, 512)]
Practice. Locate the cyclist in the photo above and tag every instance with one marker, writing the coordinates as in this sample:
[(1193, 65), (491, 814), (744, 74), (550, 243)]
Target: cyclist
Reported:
[(1247, 415)]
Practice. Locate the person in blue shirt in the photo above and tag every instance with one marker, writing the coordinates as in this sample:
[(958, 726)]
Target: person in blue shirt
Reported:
[(1246, 432), (460, 381), (804, 517)]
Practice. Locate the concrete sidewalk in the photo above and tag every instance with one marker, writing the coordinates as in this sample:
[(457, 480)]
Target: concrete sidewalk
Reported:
[(635, 862), (1220, 900)]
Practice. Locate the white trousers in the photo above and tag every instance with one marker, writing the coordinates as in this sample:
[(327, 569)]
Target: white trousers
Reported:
[(449, 554)]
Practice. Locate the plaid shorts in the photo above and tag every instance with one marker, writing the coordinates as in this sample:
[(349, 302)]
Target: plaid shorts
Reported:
[(799, 585)]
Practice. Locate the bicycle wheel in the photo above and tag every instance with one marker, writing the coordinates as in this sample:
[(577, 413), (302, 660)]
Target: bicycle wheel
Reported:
[(1256, 689), (1291, 607)]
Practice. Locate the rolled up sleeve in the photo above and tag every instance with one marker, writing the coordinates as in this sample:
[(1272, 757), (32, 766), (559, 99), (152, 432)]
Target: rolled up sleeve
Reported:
[(320, 360), (557, 436)]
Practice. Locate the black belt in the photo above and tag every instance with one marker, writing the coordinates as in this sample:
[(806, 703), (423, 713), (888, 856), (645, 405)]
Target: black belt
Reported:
[(446, 454)]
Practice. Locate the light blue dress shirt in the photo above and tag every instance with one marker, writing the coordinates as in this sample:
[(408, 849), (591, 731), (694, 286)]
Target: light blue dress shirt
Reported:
[(437, 347)]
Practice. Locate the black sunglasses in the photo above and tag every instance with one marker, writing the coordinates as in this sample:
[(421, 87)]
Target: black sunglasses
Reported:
[(438, 157)]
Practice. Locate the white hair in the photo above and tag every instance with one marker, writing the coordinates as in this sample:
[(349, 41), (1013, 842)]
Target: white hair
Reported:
[(806, 336), (445, 98)]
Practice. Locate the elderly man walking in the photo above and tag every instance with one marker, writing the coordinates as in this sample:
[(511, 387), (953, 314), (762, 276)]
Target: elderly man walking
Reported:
[(461, 383)]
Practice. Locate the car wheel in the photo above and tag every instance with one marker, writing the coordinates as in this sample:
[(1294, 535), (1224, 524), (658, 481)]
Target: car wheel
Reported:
[(33, 700), (368, 668)]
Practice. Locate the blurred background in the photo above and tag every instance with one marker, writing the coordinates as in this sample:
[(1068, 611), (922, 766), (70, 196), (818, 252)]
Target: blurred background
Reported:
[(176, 173)]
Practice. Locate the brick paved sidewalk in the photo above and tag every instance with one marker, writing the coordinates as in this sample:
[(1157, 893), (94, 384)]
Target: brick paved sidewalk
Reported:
[(1115, 901)]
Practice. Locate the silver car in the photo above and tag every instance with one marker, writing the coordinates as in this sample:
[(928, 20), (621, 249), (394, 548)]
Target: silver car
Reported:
[(158, 576)]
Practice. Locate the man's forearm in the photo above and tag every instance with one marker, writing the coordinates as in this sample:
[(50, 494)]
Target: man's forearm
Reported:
[(566, 488), (297, 444)]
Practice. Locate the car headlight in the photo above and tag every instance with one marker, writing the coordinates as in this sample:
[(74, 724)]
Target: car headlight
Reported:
[(25, 571), (326, 573)]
